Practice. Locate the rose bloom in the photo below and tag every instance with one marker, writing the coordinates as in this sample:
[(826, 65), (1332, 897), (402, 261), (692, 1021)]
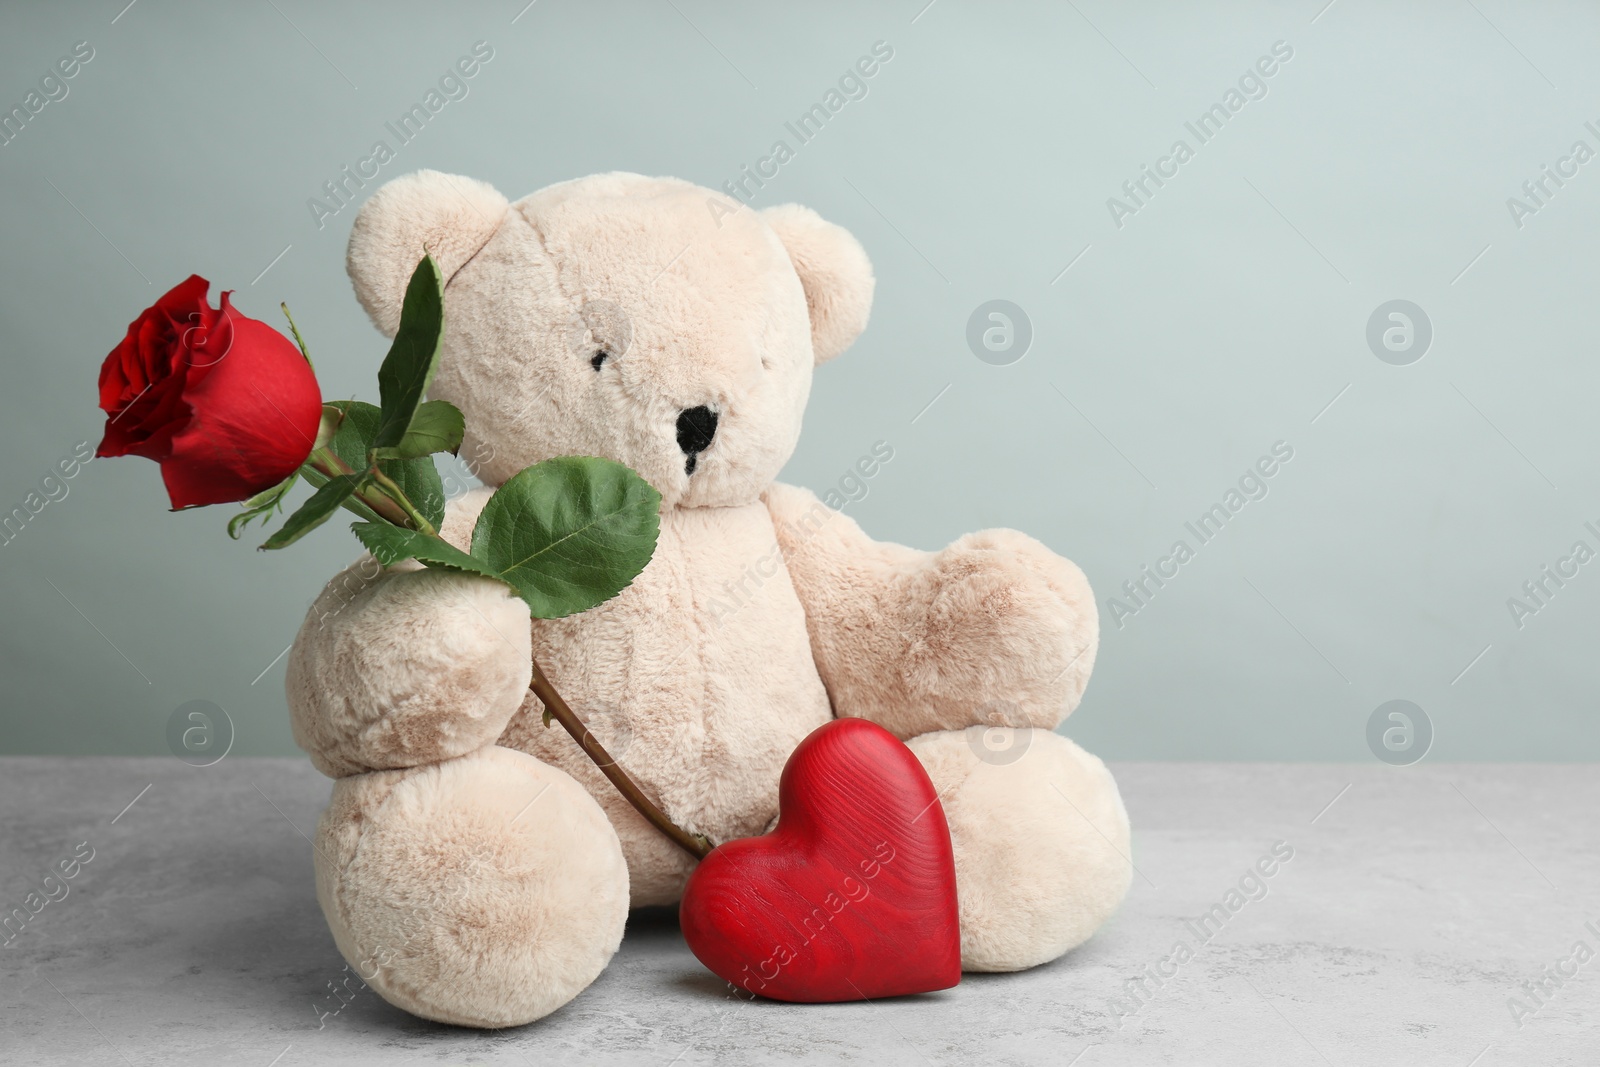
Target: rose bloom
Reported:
[(226, 404)]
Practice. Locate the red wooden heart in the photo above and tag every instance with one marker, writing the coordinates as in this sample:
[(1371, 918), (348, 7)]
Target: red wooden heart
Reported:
[(851, 897)]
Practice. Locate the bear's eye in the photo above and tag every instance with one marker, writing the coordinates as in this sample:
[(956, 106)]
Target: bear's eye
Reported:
[(598, 358)]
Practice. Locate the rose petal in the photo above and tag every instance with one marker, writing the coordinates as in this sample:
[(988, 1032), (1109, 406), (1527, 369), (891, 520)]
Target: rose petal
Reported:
[(255, 418), (226, 404)]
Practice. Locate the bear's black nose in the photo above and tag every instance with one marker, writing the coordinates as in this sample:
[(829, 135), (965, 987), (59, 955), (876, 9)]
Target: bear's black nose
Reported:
[(696, 428)]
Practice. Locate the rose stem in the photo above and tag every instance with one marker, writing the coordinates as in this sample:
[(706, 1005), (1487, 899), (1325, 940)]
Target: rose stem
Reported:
[(694, 844), (393, 506), (325, 463), (387, 484)]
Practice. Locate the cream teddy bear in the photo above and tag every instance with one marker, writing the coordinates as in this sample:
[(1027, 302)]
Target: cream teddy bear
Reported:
[(474, 866)]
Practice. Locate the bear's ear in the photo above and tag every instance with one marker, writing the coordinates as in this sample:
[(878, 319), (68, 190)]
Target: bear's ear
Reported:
[(834, 271), (447, 215)]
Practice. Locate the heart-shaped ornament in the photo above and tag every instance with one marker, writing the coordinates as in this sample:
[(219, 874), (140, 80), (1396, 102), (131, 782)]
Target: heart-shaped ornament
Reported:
[(851, 897)]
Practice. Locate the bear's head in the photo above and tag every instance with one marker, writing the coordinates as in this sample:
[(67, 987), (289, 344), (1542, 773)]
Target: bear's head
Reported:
[(646, 320)]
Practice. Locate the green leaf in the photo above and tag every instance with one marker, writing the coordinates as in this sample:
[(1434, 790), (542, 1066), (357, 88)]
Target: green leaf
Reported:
[(268, 497), (352, 435), (318, 509), (417, 478), (328, 425), (436, 427), (354, 424), (408, 368), (391, 544), (569, 533), (263, 503), (316, 479)]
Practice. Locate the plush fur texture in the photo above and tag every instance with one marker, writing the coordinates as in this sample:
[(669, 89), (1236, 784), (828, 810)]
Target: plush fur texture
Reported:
[(453, 665), (475, 862), (450, 216), (834, 271), (1042, 853), (480, 891)]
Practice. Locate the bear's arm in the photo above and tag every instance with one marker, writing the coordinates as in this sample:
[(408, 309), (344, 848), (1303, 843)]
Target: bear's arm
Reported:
[(402, 666), (994, 629)]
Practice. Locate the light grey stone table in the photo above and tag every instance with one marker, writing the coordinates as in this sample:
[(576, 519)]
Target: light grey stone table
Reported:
[(1416, 904)]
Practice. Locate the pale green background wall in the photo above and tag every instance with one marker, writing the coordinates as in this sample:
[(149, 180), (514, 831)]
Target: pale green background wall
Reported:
[(1221, 318)]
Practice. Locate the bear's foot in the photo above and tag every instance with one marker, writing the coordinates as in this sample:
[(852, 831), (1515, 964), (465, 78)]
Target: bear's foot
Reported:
[(487, 890), (1040, 837)]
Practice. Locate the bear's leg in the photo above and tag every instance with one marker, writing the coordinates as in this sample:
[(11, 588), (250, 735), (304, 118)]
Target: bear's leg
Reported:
[(486, 890), (1040, 837)]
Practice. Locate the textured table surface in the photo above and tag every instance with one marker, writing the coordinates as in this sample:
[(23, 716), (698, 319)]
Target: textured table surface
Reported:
[(1417, 903)]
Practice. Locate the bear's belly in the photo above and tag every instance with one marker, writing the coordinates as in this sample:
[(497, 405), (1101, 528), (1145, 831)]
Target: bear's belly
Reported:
[(699, 680)]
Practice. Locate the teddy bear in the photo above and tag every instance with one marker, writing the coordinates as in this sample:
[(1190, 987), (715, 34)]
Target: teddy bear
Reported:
[(473, 865)]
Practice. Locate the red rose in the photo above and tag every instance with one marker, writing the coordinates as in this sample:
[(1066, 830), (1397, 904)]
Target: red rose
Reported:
[(226, 404)]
